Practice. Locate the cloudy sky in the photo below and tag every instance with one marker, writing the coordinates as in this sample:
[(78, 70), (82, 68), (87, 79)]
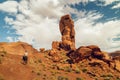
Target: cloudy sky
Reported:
[(37, 22)]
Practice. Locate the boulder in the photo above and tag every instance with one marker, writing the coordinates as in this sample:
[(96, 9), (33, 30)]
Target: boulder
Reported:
[(106, 55), (54, 55), (94, 48), (42, 49), (56, 58), (55, 45), (84, 52), (53, 52)]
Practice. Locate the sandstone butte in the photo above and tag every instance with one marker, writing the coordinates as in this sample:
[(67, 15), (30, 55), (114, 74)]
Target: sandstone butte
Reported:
[(62, 62)]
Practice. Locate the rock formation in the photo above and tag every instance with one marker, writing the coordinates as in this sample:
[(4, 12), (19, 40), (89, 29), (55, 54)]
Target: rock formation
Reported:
[(55, 55), (87, 52), (55, 45), (114, 54), (67, 43), (66, 27), (67, 31)]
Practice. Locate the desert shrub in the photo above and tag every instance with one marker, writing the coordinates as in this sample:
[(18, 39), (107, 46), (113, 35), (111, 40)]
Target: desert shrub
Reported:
[(79, 78), (107, 77), (1, 78), (84, 70), (0, 60), (96, 78), (3, 53), (118, 78), (68, 69), (77, 70), (39, 60), (38, 73), (62, 78)]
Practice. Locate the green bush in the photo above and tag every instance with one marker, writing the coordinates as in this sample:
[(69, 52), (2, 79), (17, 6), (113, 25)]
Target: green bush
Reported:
[(84, 70), (39, 60), (0, 60), (62, 78), (38, 73), (1, 78), (77, 70), (118, 78), (3, 53), (68, 69), (79, 78)]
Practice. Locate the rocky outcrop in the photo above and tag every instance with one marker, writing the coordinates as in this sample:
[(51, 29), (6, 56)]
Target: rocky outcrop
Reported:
[(88, 52), (54, 53)]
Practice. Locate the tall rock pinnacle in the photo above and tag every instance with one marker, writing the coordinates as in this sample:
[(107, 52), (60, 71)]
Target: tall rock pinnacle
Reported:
[(66, 27), (67, 31)]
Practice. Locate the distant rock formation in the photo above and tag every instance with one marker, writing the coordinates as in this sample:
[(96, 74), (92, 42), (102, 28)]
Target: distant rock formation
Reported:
[(114, 54), (67, 31)]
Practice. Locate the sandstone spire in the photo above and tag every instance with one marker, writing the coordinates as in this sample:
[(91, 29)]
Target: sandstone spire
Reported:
[(66, 27)]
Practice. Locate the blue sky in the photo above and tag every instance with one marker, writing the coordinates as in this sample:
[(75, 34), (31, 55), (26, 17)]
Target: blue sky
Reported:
[(36, 22)]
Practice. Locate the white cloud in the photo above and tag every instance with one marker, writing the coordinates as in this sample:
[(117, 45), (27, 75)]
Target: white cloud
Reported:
[(116, 6), (38, 24), (73, 1), (101, 34), (107, 2), (10, 39), (9, 6)]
